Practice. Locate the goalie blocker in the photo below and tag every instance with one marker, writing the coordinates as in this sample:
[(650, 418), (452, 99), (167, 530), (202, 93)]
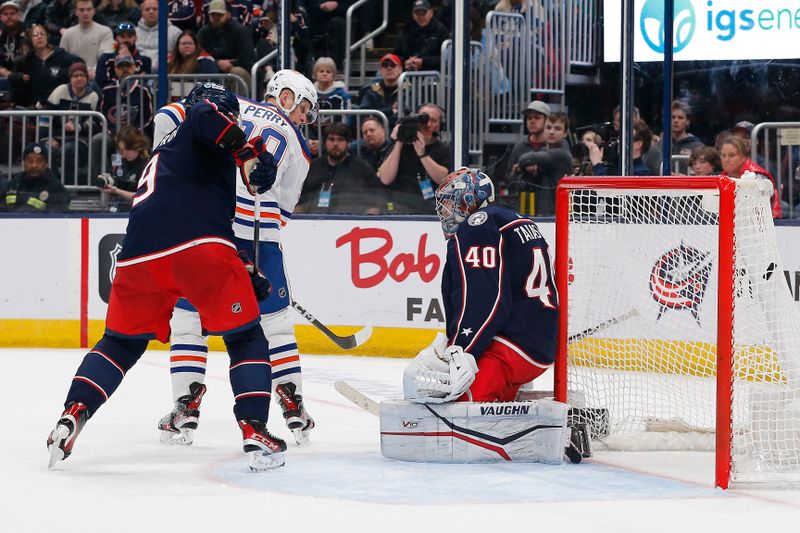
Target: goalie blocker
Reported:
[(477, 432)]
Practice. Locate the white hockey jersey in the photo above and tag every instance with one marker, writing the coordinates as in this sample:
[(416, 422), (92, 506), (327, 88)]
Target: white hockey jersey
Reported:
[(287, 145)]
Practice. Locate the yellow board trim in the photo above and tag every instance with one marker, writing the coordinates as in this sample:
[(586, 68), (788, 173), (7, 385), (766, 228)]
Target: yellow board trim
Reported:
[(385, 342)]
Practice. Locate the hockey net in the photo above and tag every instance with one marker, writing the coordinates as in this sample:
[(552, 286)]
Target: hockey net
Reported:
[(678, 330)]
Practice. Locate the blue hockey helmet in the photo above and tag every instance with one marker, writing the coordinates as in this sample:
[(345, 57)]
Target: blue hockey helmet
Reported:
[(225, 100), (460, 194)]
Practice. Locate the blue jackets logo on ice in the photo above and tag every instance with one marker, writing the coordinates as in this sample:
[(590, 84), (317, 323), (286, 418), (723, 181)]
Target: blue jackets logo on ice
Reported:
[(679, 279), (107, 251), (651, 24)]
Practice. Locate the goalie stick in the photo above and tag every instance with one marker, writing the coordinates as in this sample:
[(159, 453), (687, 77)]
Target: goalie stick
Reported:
[(346, 343), (361, 400), (603, 325)]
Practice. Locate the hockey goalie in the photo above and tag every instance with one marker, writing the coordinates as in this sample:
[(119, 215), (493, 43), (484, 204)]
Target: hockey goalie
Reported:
[(501, 310)]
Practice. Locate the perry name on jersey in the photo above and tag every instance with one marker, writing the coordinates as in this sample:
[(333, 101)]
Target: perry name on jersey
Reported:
[(498, 285), (286, 144), (186, 190)]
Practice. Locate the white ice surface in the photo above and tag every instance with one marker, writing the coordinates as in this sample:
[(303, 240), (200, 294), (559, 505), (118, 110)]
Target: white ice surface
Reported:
[(120, 478)]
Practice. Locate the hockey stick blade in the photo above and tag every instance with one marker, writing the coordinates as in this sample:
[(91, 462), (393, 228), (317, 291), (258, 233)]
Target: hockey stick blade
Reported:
[(346, 343), (358, 398), (603, 325)]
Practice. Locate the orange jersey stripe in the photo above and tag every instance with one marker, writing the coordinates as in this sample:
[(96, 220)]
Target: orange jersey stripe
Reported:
[(284, 360), (188, 358), (179, 109)]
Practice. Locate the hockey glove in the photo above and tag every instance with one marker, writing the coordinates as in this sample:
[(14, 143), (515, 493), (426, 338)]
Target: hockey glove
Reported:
[(261, 285), (462, 371), (263, 174)]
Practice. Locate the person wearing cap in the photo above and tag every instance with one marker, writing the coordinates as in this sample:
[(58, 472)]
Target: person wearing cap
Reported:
[(338, 181), (535, 115), (420, 43), (13, 43), (228, 42), (124, 44), (112, 12), (36, 189), (382, 95), (136, 98), (147, 33), (42, 69)]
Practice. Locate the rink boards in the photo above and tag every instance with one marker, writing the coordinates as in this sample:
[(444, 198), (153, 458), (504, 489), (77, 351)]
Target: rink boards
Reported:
[(348, 272)]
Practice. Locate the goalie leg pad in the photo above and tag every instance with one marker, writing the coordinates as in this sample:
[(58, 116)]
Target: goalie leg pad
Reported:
[(466, 432)]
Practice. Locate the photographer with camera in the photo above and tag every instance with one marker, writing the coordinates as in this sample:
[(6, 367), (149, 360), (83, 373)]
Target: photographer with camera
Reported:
[(416, 163), (605, 157), (127, 164)]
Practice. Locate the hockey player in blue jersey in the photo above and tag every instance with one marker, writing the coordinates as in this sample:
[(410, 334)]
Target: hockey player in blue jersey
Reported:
[(500, 300), (180, 243)]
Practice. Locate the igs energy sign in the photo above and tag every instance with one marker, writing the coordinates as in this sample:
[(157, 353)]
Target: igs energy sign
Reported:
[(708, 29)]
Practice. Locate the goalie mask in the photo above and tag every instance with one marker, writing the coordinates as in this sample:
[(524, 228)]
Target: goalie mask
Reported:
[(462, 192), (301, 87)]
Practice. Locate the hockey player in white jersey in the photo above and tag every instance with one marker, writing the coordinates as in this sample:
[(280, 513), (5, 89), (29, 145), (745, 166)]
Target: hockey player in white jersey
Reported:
[(291, 101)]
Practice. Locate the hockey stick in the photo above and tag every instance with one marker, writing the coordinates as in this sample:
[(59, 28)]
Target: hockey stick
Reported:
[(346, 343), (247, 169), (358, 398), (603, 325)]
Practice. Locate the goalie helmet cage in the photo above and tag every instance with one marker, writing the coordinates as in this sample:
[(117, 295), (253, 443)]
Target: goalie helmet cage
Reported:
[(699, 338)]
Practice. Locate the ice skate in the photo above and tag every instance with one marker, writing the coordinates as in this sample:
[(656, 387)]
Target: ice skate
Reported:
[(177, 426), (62, 438), (294, 412), (264, 451)]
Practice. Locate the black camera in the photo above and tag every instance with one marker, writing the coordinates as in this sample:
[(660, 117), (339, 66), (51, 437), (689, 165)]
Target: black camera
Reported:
[(104, 180), (610, 136), (409, 125)]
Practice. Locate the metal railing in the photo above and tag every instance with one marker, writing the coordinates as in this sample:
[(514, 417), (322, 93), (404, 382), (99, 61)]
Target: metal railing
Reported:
[(255, 91), (361, 44), (357, 113), (38, 125), (546, 22), (776, 147), (417, 88), (505, 39), (582, 17), (479, 84)]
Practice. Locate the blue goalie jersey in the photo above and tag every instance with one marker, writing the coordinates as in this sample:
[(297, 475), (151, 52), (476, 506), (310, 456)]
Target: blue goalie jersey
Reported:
[(498, 285), (187, 191)]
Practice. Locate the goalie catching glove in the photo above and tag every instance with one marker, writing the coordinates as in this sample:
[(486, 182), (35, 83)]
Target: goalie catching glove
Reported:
[(439, 373), (256, 165), (261, 285)]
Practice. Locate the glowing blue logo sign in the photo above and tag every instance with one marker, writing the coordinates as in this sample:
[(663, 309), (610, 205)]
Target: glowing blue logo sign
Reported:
[(651, 23)]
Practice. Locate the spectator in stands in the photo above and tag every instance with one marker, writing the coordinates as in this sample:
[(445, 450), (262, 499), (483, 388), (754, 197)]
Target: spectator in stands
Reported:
[(382, 95), (734, 155), (183, 14), (147, 33), (87, 39), (14, 44), (326, 20), (642, 137), (338, 181), (36, 189), (188, 57), (331, 93), (59, 16), (113, 12), (412, 170), (705, 161), (535, 114), (556, 130), (230, 43), (373, 147), (512, 6), (240, 10), (652, 156), (133, 149), (75, 95), (683, 142), (32, 12), (420, 43), (42, 70), (125, 44)]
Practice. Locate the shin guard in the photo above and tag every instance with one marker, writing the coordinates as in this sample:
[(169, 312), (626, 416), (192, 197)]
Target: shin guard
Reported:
[(250, 373)]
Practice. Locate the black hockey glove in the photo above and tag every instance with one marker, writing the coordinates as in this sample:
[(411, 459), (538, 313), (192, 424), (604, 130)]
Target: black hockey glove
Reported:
[(261, 285), (263, 175)]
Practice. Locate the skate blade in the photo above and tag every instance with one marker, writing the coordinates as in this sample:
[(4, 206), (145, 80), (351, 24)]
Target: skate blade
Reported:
[(60, 434), (262, 462), (183, 438), (300, 437)]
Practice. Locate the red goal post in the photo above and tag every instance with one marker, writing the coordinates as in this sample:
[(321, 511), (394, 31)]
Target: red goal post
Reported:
[(606, 224)]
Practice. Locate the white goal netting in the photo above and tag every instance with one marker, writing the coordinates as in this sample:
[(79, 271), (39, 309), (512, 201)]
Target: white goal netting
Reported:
[(642, 303)]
